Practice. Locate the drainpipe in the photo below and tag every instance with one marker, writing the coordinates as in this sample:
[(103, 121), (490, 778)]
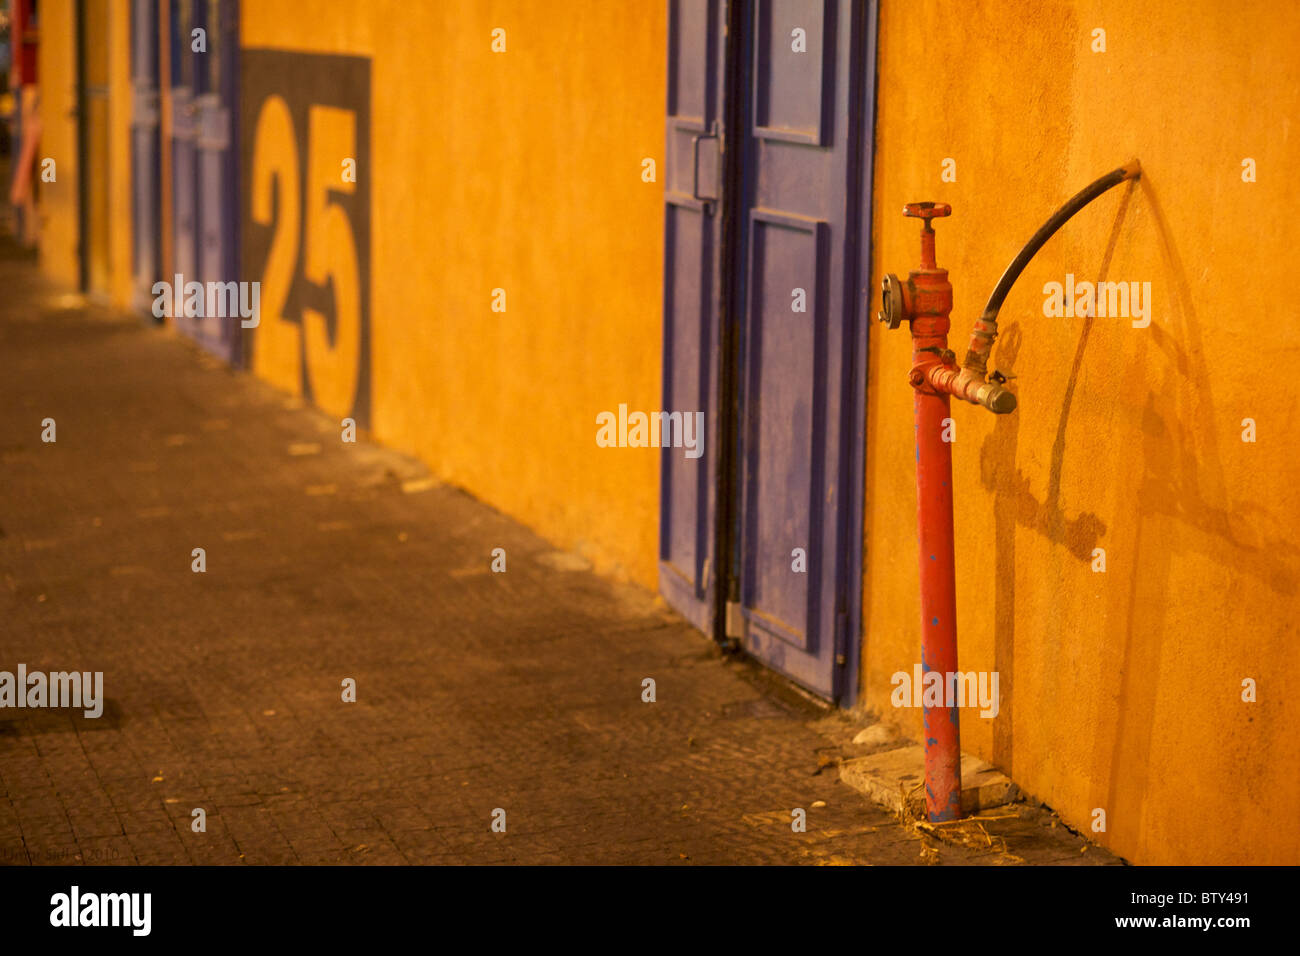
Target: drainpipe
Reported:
[(925, 302)]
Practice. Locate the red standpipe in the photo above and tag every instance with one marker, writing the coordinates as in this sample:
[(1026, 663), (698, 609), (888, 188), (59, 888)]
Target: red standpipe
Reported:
[(926, 302)]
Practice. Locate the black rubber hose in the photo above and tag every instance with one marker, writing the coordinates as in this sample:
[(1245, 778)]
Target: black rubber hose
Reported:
[(1086, 195)]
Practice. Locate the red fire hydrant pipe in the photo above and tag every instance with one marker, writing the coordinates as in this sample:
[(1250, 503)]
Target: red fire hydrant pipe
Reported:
[(925, 302), (928, 299), (938, 601)]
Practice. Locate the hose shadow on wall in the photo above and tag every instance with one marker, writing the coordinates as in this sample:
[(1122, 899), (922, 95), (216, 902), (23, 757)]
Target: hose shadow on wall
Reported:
[(1180, 479), (1014, 504)]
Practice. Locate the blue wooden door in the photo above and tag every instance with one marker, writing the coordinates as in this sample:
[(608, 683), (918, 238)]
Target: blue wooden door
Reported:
[(184, 237), (146, 170), (205, 161), (802, 336), (692, 286), (217, 163), (766, 257)]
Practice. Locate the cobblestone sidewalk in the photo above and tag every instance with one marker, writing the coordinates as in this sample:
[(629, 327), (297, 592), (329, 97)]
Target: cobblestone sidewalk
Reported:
[(324, 561)]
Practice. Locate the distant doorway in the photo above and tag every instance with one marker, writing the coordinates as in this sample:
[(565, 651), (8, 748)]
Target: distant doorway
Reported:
[(204, 57)]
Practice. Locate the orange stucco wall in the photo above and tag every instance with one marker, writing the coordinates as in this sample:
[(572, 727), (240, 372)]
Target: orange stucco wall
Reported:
[(58, 201), (1121, 690), (520, 171)]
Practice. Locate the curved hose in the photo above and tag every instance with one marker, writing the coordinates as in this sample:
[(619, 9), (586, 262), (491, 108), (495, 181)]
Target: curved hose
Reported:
[(1080, 199), (975, 366)]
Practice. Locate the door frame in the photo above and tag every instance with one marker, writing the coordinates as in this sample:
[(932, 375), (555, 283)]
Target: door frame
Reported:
[(736, 99), (865, 20)]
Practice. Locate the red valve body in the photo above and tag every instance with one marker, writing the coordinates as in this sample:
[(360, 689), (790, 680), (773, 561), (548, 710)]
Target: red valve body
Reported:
[(927, 304)]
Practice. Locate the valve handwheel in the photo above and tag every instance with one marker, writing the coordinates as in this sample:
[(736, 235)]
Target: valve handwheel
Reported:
[(927, 210), (892, 297)]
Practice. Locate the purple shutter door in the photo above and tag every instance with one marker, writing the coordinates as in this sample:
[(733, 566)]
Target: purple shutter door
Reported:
[(204, 162), (800, 334), (184, 178), (215, 165), (692, 244)]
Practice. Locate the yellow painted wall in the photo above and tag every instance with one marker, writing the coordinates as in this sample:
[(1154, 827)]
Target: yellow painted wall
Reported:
[(56, 70), (519, 171), (57, 201), (121, 228), (1120, 690)]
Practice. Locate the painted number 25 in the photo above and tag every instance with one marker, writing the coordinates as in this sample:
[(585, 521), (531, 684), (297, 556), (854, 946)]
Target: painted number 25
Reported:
[(314, 245)]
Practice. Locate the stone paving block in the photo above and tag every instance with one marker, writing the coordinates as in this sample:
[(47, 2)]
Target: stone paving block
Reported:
[(893, 776)]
